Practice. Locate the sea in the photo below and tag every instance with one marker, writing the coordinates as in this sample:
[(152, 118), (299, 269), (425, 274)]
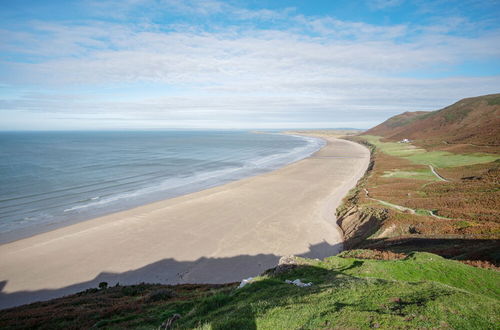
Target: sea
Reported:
[(53, 179)]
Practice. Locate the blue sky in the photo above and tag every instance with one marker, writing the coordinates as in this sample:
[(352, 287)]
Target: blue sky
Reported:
[(154, 64)]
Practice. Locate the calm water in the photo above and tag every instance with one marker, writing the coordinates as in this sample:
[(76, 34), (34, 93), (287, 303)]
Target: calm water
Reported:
[(48, 179)]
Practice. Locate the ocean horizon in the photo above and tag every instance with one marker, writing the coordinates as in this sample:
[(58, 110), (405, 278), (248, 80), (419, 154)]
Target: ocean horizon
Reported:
[(50, 179)]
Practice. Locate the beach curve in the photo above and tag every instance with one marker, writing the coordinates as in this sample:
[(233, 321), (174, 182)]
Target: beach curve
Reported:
[(218, 235)]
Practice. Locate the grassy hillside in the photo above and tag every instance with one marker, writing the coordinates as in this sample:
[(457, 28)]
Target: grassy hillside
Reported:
[(420, 290), (469, 121), (430, 200), (440, 193)]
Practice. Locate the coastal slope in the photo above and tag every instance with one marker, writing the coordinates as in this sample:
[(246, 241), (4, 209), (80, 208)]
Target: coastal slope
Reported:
[(435, 192), (474, 120), (218, 235)]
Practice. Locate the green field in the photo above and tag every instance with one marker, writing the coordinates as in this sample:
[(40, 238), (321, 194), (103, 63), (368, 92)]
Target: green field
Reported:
[(420, 156)]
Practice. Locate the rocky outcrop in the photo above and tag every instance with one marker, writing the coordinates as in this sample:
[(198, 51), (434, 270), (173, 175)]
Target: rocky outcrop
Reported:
[(359, 223), (285, 264)]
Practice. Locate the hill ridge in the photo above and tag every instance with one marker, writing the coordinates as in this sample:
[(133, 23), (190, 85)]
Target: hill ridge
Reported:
[(474, 120)]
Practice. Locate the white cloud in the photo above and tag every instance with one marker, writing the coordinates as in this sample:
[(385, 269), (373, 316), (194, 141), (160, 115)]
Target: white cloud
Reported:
[(112, 53), (321, 69)]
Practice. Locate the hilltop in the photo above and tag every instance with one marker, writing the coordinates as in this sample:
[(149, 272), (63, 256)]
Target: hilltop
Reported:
[(474, 120)]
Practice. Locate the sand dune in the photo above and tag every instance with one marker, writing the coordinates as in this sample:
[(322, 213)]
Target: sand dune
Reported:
[(217, 235)]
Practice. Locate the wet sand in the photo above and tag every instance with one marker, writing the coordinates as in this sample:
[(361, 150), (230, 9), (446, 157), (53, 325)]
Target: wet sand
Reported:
[(222, 234)]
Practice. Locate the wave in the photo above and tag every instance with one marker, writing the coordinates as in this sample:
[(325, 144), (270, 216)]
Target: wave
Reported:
[(198, 181), (103, 194)]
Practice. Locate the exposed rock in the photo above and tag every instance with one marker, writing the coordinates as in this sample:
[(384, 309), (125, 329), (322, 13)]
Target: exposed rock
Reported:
[(245, 282), (359, 224), (285, 264), (169, 322), (287, 260), (299, 283)]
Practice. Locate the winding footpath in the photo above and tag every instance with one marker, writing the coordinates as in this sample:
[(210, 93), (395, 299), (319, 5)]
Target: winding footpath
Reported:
[(437, 174)]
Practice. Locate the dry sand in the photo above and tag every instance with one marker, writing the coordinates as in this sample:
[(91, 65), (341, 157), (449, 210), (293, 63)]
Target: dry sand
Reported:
[(221, 234)]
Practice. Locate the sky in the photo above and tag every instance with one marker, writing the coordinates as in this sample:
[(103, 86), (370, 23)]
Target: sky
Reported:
[(176, 64)]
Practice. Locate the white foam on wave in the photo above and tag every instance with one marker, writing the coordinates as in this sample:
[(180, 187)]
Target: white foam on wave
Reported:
[(171, 183), (297, 153), (197, 180)]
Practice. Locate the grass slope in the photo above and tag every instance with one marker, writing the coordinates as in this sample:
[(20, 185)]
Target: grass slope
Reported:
[(421, 204), (420, 291), (473, 120), (423, 157)]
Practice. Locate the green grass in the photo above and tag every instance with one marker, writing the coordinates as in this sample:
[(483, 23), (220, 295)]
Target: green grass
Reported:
[(417, 174), (456, 115), (421, 156), (420, 291), (423, 266), (463, 224), (394, 206), (494, 101), (423, 212)]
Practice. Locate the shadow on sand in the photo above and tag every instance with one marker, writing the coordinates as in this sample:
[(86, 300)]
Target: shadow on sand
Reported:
[(211, 306), (171, 271)]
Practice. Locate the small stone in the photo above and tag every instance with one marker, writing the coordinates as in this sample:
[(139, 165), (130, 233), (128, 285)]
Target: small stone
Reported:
[(298, 283), (285, 264), (287, 260), (169, 322), (444, 324), (245, 282)]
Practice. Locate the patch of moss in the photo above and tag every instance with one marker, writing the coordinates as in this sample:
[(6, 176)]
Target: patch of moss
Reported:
[(463, 224), (494, 101)]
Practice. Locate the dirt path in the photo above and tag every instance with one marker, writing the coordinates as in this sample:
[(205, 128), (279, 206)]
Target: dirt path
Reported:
[(437, 174), (403, 208)]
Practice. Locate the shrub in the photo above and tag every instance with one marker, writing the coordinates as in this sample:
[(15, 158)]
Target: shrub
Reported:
[(161, 294)]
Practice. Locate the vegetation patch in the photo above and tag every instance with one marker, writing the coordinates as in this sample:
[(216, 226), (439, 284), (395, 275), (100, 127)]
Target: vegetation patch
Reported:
[(457, 115), (359, 289), (417, 174), (372, 254), (434, 211), (463, 224), (494, 100), (421, 156)]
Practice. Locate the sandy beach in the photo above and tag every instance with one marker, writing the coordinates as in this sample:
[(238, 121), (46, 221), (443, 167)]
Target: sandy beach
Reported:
[(222, 234)]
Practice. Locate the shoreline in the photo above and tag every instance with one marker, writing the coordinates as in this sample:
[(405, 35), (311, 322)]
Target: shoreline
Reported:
[(212, 182), (220, 234)]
